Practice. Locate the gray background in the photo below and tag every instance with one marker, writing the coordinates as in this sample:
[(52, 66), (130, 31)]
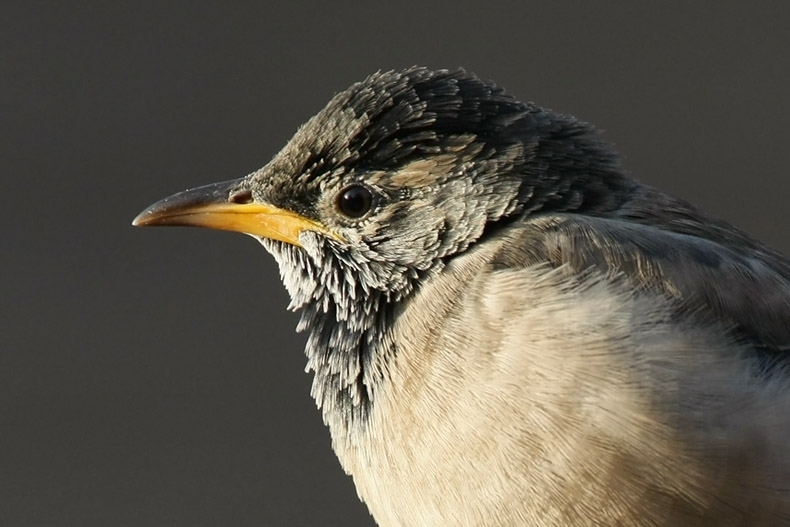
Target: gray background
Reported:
[(152, 377)]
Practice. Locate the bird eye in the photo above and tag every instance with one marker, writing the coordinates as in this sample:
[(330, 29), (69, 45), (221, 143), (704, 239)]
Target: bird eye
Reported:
[(355, 201)]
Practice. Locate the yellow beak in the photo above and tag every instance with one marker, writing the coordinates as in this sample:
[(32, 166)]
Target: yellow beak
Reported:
[(225, 206)]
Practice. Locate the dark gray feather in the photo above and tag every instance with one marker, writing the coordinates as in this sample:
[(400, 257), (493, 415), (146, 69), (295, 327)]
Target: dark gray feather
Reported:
[(730, 277)]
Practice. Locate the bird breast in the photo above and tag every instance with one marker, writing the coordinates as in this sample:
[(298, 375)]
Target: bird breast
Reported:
[(521, 397)]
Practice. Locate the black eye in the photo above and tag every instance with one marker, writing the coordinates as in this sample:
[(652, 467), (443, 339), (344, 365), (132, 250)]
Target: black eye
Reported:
[(355, 201)]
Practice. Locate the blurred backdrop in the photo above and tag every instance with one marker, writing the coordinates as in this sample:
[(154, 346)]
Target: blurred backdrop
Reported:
[(153, 377)]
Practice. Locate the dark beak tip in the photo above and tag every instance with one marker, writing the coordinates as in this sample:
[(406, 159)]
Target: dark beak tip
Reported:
[(160, 213), (147, 217), (166, 211), (139, 220)]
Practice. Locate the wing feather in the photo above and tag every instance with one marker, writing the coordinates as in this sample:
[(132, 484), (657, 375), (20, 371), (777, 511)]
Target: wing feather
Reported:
[(735, 283)]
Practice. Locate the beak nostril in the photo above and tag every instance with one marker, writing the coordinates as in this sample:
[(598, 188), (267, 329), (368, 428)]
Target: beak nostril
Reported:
[(241, 197)]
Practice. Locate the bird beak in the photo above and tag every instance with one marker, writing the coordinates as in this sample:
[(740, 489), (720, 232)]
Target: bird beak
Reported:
[(228, 206)]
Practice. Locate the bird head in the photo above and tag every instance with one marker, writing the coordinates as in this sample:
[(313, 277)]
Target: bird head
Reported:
[(373, 195)]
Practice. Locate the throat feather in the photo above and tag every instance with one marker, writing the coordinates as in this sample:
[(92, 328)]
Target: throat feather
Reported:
[(348, 345)]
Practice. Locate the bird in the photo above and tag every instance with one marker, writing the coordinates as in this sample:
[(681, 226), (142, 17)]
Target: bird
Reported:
[(505, 327)]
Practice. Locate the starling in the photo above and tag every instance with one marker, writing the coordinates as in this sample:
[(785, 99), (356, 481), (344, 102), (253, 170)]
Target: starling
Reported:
[(505, 328)]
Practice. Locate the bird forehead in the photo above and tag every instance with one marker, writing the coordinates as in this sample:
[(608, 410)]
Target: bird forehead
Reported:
[(400, 130), (381, 120)]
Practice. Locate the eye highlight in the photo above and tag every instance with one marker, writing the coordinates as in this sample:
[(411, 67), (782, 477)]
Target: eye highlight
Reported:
[(355, 201)]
